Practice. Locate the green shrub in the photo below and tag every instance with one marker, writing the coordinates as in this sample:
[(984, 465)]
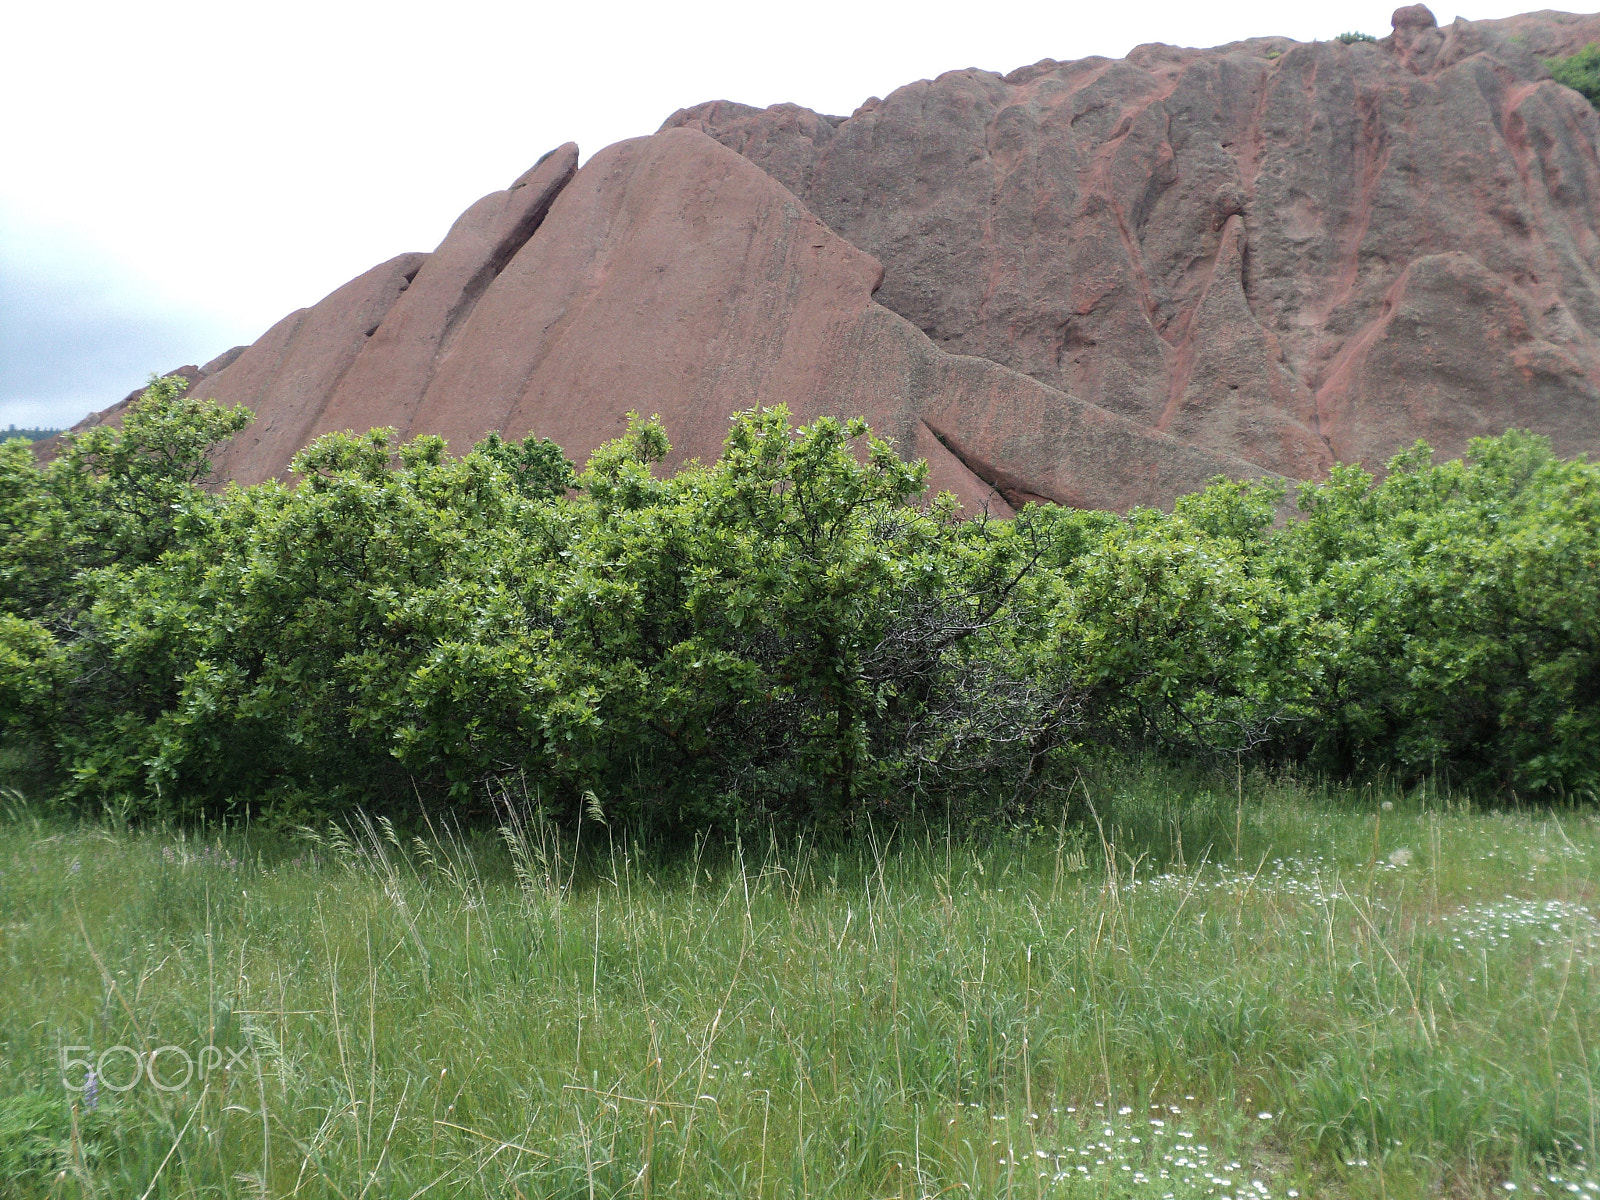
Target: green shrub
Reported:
[(1447, 614), (784, 635), (1580, 72), (1350, 38), (781, 633)]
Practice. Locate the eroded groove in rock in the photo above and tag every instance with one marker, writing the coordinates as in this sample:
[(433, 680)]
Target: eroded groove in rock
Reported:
[(287, 377), (522, 225), (1015, 497), (387, 382)]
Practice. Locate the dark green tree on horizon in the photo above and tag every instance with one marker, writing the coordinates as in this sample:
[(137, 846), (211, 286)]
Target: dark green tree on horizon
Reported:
[(30, 434)]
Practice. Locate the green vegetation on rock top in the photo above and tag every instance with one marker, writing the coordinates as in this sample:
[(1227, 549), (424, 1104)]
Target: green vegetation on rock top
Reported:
[(1580, 72)]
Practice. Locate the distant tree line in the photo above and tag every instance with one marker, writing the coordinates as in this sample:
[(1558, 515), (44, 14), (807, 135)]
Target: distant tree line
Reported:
[(27, 435), (788, 634)]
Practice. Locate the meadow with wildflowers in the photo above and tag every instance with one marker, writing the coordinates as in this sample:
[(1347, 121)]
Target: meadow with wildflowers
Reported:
[(474, 826), (1186, 987)]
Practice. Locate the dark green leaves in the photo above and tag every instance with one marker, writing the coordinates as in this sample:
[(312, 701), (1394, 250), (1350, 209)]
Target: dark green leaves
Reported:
[(1580, 72)]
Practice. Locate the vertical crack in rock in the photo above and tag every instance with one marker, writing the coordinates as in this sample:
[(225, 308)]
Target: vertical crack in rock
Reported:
[(392, 374)]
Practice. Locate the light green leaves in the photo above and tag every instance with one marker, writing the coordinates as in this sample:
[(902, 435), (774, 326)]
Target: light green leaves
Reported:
[(789, 634)]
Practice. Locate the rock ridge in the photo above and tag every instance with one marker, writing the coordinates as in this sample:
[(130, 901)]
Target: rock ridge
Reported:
[(1210, 241), (1098, 282)]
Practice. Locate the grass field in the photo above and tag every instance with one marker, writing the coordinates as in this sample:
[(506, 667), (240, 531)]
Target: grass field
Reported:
[(1279, 992)]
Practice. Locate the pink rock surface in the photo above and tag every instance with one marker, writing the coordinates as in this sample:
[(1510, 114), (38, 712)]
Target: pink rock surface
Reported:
[(676, 277), (1098, 282), (288, 376), (388, 379), (1212, 242)]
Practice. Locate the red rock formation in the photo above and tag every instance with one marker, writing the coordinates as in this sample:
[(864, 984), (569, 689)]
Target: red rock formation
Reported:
[(1292, 252), (1096, 282), (672, 276)]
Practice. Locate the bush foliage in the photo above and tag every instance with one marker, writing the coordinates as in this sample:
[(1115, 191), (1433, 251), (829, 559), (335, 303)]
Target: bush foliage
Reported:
[(786, 634), (1580, 72)]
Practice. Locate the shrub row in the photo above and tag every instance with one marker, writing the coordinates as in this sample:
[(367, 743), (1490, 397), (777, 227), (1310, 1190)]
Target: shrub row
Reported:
[(785, 634)]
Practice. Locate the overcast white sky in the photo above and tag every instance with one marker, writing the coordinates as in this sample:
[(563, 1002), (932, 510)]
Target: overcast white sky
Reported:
[(178, 175)]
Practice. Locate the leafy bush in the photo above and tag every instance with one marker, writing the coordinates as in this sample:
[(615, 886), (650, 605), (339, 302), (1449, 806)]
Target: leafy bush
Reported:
[(1580, 72), (1350, 38), (1449, 611), (783, 635)]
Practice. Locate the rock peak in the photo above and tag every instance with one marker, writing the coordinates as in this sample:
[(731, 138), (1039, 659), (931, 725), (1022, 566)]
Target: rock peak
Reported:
[(1414, 16)]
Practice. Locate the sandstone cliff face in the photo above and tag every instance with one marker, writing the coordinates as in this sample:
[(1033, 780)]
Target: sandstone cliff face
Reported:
[(671, 276), (1097, 282), (1299, 253)]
